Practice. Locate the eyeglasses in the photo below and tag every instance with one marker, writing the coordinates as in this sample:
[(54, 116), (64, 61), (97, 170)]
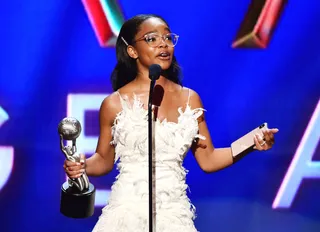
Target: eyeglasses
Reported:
[(154, 40)]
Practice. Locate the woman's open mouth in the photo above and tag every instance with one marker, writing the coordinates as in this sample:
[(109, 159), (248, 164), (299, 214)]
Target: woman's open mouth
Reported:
[(164, 56)]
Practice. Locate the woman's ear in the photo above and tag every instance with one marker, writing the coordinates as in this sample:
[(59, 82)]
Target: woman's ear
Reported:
[(132, 52)]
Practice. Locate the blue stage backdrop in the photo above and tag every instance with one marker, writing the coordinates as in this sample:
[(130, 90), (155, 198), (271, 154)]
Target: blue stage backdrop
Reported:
[(54, 65)]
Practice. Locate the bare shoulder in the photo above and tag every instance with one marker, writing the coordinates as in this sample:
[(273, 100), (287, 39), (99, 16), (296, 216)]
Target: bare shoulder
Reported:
[(111, 102), (127, 89), (193, 97), (110, 107)]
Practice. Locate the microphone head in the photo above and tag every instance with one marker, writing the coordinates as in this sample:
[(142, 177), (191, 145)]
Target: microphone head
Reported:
[(154, 72)]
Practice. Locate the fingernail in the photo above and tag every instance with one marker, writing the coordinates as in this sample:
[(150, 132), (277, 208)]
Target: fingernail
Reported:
[(78, 164)]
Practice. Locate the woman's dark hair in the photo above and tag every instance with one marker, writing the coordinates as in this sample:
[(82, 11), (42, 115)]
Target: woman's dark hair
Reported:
[(126, 67)]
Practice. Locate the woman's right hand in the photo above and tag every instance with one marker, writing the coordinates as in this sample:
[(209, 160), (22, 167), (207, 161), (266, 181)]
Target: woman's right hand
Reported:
[(75, 169)]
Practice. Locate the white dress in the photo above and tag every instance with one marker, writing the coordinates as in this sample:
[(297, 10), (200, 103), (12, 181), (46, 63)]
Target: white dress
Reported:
[(127, 208)]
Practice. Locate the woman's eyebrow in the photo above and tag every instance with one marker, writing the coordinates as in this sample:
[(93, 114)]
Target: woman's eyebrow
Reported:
[(155, 31)]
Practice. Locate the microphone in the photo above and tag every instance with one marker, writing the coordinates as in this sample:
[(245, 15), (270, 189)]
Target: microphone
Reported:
[(154, 74)]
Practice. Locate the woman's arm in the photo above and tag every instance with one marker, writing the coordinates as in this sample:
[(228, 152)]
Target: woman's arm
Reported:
[(212, 159), (102, 161)]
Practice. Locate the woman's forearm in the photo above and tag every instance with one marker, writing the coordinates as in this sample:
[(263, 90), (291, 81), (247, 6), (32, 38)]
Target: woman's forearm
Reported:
[(97, 166), (218, 159)]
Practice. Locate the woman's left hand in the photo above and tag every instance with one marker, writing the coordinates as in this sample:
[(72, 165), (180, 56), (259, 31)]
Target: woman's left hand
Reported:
[(267, 142)]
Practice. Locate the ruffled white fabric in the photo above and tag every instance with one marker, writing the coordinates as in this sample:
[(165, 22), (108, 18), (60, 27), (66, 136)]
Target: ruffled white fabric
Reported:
[(127, 207)]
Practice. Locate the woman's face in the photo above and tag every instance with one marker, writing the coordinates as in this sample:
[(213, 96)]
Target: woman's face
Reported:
[(150, 46)]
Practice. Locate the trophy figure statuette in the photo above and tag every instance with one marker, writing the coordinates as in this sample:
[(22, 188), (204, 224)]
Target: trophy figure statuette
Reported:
[(77, 194)]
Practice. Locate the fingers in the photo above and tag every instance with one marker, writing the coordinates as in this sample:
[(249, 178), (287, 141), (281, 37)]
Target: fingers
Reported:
[(75, 169), (82, 158), (74, 173), (259, 143), (69, 163), (269, 136), (274, 130), (267, 141), (269, 133)]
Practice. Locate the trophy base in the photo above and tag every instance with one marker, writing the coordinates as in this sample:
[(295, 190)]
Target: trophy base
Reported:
[(77, 204)]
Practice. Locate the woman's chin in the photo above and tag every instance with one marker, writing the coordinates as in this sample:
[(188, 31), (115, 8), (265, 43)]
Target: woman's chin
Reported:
[(164, 64)]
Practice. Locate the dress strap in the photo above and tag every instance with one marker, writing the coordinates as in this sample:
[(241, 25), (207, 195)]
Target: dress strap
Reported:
[(188, 96), (122, 101)]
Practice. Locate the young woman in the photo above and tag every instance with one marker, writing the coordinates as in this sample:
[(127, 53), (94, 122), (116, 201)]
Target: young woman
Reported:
[(180, 125)]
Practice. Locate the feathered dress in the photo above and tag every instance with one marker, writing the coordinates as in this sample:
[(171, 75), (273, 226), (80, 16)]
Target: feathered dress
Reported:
[(127, 207)]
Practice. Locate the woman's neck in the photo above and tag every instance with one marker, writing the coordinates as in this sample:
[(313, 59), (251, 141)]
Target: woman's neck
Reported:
[(142, 82)]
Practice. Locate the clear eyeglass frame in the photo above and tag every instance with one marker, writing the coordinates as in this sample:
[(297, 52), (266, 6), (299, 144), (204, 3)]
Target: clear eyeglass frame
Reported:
[(154, 39)]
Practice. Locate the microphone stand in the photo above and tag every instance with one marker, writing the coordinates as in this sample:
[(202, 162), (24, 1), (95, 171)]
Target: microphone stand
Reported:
[(151, 136)]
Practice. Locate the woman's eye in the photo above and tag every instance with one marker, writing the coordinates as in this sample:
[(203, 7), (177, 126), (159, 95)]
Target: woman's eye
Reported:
[(151, 39)]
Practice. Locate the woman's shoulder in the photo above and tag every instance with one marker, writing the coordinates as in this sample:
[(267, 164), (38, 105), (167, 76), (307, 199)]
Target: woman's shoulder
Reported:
[(193, 98), (112, 100), (127, 89), (111, 104), (190, 93)]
